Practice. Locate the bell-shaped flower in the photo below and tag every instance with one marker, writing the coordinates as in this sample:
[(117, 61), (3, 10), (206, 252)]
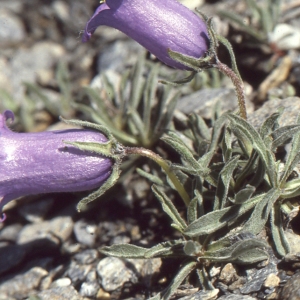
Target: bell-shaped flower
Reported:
[(34, 163), (158, 25)]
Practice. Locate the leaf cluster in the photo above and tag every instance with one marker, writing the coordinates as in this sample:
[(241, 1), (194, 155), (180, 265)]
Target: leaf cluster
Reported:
[(239, 186), (137, 109)]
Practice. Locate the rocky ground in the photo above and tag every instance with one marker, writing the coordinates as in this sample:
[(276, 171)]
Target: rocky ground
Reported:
[(50, 251)]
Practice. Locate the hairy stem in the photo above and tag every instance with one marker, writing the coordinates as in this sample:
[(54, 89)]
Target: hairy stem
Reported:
[(165, 166), (238, 84)]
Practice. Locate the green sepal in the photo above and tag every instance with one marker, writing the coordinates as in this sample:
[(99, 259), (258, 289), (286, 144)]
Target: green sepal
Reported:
[(110, 182)]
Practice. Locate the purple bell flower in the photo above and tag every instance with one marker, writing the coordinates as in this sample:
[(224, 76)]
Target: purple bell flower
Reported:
[(158, 25), (34, 163)]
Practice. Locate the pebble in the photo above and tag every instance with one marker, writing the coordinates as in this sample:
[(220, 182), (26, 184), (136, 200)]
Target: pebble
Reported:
[(21, 285), (288, 117), (85, 232), (271, 281), (86, 257), (61, 282), (89, 289), (256, 278), (78, 273), (12, 29), (204, 100), (60, 293), (35, 211), (114, 272), (236, 297), (291, 290), (228, 274), (119, 55), (46, 234), (10, 232), (11, 256)]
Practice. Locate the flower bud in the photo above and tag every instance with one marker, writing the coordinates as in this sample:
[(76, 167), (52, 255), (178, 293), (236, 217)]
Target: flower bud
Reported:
[(34, 163), (158, 25)]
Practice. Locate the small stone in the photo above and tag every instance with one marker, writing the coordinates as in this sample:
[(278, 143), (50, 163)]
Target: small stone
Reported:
[(114, 273), (228, 274), (21, 285), (57, 230), (89, 289), (203, 295), (35, 211), (102, 295), (291, 289), (10, 257), (203, 101), (78, 273), (86, 257), (10, 232), (12, 29), (85, 233), (60, 293), (293, 240), (61, 282), (119, 55), (256, 279), (271, 281), (236, 297)]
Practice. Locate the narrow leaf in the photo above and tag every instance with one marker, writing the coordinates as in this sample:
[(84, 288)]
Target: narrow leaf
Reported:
[(259, 216), (184, 271), (279, 239), (215, 220), (169, 208)]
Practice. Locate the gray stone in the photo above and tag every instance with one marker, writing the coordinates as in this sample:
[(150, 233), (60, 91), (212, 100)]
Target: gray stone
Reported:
[(35, 211), (236, 297), (202, 295), (21, 285), (60, 293), (291, 290), (11, 256), (10, 232), (12, 29), (291, 107), (114, 272), (61, 282), (89, 289), (256, 278), (78, 273), (85, 233), (86, 257), (119, 55), (30, 65), (203, 101), (58, 229)]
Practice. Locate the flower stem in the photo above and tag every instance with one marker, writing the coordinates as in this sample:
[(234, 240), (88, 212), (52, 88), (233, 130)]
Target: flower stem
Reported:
[(238, 84), (165, 166)]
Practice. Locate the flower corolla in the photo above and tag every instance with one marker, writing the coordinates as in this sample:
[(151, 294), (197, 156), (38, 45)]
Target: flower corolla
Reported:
[(158, 25), (35, 163)]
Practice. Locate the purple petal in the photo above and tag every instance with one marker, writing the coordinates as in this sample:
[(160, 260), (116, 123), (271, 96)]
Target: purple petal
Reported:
[(34, 163), (157, 25)]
